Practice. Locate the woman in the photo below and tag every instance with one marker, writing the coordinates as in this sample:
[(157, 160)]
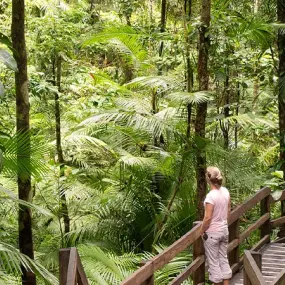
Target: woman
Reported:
[(214, 228)]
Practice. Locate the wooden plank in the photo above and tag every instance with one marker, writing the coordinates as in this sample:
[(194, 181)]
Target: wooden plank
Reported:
[(251, 270), (277, 222), (254, 227), (169, 253), (81, 275), (248, 204), (72, 265), (140, 275), (280, 278), (188, 271), (63, 265), (265, 208), (198, 250)]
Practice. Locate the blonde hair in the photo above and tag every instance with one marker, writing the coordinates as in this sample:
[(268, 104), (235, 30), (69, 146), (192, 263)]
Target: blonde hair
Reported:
[(214, 176)]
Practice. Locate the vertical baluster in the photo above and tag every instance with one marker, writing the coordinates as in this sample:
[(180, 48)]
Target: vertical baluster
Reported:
[(281, 233), (234, 234), (63, 265), (198, 249), (265, 208)]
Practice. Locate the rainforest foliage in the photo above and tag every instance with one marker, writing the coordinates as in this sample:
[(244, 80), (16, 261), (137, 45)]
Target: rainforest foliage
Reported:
[(109, 112)]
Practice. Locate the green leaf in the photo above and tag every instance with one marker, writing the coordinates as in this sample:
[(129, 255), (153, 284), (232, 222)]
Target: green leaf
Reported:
[(8, 60), (278, 174), (5, 40)]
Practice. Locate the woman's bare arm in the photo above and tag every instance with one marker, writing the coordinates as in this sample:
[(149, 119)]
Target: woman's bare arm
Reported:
[(229, 210), (207, 217)]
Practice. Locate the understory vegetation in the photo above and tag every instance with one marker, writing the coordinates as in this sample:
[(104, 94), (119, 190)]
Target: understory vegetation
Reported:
[(116, 141)]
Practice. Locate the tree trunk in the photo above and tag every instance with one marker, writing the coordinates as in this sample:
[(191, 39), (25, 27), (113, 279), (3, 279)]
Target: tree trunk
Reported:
[(237, 112), (23, 126), (281, 93), (200, 123), (225, 124), (189, 69), (162, 29), (64, 209)]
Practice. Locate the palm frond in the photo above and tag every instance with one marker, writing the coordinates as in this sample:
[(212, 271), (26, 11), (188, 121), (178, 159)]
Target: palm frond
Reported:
[(126, 39), (129, 160), (189, 98), (243, 120), (162, 83), (30, 160), (12, 261)]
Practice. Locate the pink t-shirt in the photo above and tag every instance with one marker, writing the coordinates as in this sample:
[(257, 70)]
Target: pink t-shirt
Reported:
[(220, 199)]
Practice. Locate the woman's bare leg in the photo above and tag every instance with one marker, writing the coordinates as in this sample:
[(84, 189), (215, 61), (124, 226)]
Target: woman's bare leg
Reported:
[(226, 282)]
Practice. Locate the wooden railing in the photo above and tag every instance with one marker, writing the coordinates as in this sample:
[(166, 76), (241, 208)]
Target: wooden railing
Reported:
[(196, 270), (253, 268), (71, 271)]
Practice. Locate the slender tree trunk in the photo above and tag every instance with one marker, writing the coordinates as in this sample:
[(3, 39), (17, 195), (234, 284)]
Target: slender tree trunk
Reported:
[(200, 123), (23, 126), (189, 69), (162, 29), (237, 112), (281, 92), (225, 125), (64, 209)]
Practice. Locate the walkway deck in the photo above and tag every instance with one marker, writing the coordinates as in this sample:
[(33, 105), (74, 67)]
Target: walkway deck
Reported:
[(273, 262)]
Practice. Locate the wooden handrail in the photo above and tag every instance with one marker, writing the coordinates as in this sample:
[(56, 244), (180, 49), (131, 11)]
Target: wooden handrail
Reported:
[(72, 272), (163, 258), (248, 204)]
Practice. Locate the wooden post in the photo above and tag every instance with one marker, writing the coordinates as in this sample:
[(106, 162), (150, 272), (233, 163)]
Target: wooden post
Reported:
[(265, 208), (150, 280), (198, 249), (281, 233), (257, 256), (63, 265), (234, 234)]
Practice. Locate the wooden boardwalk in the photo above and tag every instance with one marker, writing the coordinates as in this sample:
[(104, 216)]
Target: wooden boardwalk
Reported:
[(264, 264), (273, 262)]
